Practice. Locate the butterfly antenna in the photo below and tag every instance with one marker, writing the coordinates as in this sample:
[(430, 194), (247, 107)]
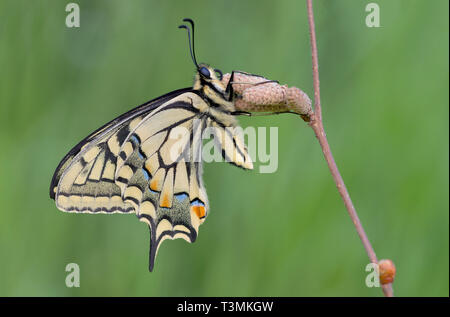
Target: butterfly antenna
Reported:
[(191, 41), (193, 36)]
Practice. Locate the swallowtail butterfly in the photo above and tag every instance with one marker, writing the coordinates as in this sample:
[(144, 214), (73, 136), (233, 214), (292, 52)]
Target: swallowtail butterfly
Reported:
[(127, 165)]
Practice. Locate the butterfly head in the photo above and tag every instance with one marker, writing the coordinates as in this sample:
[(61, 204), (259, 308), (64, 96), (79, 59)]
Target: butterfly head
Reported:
[(207, 78)]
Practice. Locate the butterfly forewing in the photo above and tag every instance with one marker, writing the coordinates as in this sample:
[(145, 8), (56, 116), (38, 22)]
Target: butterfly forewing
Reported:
[(115, 125)]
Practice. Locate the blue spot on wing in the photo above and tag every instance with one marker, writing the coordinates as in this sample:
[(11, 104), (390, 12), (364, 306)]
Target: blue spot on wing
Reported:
[(197, 202), (181, 197), (146, 174)]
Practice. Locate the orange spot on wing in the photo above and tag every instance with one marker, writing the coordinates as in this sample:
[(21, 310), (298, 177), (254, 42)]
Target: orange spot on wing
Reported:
[(154, 185), (199, 211), (165, 201)]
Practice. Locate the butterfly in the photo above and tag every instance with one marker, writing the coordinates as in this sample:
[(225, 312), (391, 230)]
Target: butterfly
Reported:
[(127, 166)]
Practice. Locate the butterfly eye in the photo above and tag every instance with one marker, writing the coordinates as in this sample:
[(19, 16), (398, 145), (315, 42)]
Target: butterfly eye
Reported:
[(218, 73), (205, 72)]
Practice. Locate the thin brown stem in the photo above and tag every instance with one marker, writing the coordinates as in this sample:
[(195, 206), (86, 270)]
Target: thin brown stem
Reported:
[(317, 125)]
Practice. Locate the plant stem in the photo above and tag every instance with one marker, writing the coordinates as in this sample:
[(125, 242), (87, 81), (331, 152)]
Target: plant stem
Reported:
[(316, 124)]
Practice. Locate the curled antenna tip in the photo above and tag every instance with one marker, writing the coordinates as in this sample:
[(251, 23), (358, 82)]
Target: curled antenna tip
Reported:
[(191, 42)]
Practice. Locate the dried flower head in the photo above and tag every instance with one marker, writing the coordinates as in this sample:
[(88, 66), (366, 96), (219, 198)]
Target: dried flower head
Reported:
[(258, 94)]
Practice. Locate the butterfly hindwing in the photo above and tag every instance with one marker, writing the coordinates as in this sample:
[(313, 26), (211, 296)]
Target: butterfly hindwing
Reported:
[(158, 161)]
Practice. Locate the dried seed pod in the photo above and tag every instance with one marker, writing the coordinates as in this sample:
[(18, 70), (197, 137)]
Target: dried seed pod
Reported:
[(387, 271), (258, 94)]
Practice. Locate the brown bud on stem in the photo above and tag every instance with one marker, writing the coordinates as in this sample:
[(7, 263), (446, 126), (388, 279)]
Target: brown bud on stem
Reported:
[(386, 269)]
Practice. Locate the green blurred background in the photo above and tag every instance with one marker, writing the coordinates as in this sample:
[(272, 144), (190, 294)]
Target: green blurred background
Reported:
[(385, 108)]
